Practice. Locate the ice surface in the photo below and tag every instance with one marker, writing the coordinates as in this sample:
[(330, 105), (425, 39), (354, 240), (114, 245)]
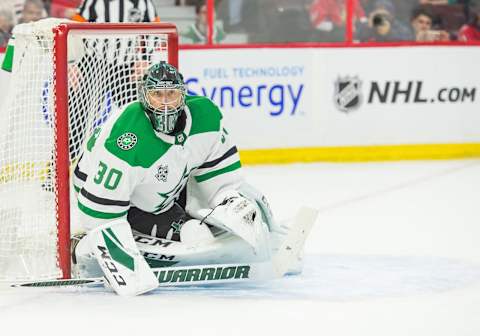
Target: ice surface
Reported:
[(395, 251)]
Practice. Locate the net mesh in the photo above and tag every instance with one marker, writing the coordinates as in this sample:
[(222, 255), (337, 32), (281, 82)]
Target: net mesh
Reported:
[(103, 69)]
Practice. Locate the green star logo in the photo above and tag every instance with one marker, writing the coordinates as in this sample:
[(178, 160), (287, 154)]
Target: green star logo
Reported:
[(127, 141), (177, 226)]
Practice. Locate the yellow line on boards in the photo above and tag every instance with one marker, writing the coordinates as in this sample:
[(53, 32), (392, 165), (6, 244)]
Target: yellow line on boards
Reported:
[(31, 171), (361, 153)]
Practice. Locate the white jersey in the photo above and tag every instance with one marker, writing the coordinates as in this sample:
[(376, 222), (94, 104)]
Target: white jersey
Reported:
[(126, 163)]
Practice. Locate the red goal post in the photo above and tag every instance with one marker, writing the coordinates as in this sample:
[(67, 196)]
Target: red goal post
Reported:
[(73, 80), (61, 33)]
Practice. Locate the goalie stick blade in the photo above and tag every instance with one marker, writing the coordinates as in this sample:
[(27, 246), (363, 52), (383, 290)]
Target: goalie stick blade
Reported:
[(291, 248), (62, 283)]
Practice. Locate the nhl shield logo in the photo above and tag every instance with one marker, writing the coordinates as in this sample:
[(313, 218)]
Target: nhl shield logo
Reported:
[(348, 95), (162, 173)]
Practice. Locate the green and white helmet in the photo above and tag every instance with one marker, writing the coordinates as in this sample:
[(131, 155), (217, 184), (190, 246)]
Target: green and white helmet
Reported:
[(162, 94)]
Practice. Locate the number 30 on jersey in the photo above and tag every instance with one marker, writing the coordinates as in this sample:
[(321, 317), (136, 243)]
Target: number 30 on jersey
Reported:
[(110, 177)]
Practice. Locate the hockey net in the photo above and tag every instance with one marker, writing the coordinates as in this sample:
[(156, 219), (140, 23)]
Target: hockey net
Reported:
[(66, 80)]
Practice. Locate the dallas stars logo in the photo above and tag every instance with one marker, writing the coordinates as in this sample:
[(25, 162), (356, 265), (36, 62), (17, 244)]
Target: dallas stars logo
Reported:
[(172, 194), (127, 141), (180, 139), (177, 226)]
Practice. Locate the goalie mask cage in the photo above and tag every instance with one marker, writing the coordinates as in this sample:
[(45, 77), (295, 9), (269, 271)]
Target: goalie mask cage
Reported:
[(67, 79)]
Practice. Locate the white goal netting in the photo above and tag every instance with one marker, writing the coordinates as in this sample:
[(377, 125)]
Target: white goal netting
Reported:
[(103, 68)]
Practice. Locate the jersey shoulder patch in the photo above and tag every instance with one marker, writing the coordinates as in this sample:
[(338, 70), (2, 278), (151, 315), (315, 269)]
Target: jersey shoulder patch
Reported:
[(206, 116), (133, 140)]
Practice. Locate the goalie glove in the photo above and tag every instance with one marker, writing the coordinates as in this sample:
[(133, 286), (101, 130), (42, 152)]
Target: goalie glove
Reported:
[(241, 217), (123, 266)]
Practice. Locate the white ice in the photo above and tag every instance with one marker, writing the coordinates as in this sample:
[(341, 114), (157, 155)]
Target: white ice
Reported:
[(395, 251)]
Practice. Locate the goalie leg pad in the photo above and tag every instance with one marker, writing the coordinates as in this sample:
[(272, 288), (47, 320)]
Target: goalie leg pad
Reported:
[(194, 231), (123, 266)]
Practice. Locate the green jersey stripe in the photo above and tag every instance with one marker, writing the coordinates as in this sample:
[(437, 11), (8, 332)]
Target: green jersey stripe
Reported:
[(227, 169), (98, 214)]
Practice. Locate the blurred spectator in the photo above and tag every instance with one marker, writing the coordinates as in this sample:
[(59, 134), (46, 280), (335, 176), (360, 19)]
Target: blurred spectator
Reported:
[(383, 26), (328, 18), (276, 20), (290, 24), (256, 16), (471, 30), (6, 25), (196, 33), (235, 12), (421, 23), (230, 12), (33, 10), (64, 8), (116, 11), (17, 7)]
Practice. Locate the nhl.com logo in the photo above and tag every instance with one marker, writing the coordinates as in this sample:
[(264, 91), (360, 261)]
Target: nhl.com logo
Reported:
[(348, 93)]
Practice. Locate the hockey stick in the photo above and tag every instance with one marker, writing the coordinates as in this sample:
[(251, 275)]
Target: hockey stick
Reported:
[(277, 267), (181, 276)]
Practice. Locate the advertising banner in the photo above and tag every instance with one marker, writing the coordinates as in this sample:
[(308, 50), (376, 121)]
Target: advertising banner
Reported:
[(323, 97), (375, 96), (310, 104), (266, 96)]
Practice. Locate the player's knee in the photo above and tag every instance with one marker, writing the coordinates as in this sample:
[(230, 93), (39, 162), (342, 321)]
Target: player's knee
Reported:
[(195, 231)]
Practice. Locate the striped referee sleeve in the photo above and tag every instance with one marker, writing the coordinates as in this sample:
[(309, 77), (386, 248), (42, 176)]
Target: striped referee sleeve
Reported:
[(86, 11), (150, 12)]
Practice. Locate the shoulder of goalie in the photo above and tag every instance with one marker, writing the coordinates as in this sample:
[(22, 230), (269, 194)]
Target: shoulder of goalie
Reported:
[(123, 266)]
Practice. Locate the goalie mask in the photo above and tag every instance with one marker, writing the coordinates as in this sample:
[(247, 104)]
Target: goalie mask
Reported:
[(162, 94)]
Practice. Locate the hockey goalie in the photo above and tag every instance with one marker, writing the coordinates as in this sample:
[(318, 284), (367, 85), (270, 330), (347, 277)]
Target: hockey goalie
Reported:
[(160, 184)]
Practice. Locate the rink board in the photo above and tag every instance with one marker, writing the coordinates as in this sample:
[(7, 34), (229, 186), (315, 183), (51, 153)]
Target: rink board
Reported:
[(343, 104)]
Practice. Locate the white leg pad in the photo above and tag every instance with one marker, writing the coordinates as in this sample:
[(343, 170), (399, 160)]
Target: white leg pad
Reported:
[(123, 266)]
